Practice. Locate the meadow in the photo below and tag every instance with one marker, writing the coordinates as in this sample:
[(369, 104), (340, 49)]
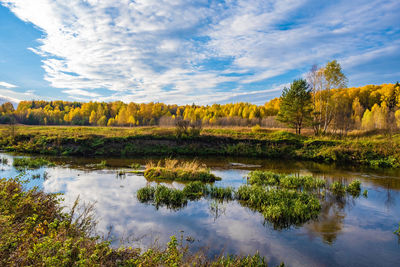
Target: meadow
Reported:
[(375, 149)]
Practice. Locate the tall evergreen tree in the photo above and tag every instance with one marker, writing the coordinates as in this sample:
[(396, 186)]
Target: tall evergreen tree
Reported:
[(296, 105)]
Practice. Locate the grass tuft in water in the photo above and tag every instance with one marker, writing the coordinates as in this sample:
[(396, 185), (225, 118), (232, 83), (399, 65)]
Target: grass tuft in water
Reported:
[(338, 189), (174, 170), (354, 188), (35, 176), (103, 164), (301, 183), (397, 232), (135, 166), (281, 207), (146, 193), (4, 161), (365, 193), (30, 163)]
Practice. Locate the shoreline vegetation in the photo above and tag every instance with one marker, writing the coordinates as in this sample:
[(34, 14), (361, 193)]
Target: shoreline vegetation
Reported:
[(36, 231), (374, 149)]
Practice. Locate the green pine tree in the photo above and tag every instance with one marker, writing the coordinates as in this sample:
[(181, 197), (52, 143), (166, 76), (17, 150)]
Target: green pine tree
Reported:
[(296, 105)]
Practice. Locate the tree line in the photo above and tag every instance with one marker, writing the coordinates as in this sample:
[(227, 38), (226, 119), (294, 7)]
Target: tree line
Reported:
[(321, 102)]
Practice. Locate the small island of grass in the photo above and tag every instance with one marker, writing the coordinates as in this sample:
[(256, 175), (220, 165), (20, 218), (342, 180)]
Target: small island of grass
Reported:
[(175, 170)]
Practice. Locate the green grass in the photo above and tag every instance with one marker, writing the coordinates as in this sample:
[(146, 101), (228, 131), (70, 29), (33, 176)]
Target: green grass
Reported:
[(372, 149), (4, 161), (354, 188), (283, 200), (303, 183), (338, 189), (135, 166), (281, 207), (397, 232), (36, 231), (174, 170), (30, 163)]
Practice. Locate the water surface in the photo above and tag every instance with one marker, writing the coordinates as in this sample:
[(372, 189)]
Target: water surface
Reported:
[(352, 232)]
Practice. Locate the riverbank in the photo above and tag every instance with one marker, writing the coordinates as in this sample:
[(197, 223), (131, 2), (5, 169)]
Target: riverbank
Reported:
[(376, 150), (36, 231)]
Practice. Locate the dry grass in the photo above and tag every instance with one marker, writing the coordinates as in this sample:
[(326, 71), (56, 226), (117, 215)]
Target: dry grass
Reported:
[(174, 165), (173, 169)]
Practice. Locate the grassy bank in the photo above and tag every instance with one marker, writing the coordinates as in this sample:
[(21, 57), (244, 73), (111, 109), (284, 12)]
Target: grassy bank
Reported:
[(376, 150), (35, 231)]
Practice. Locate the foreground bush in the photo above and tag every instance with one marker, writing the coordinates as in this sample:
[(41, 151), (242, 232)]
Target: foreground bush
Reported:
[(35, 231)]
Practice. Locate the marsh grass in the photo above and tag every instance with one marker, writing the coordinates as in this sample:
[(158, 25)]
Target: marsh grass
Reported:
[(135, 166), (365, 193), (103, 164), (281, 207), (174, 170), (354, 188), (161, 195), (30, 163), (221, 192), (4, 161), (301, 183), (283, 200), (35, 176), (338, 189), (397, 232)]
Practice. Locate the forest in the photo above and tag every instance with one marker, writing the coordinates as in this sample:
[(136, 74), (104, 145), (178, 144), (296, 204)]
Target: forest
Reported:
[(330, 106)]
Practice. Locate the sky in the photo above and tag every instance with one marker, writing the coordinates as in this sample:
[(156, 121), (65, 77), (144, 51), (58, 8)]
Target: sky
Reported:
[(184, 52)]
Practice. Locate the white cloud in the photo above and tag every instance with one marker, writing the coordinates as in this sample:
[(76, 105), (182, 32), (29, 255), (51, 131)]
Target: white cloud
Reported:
[(153, 50), (272, 40), (80, 92), (17, 96), (7, 85)]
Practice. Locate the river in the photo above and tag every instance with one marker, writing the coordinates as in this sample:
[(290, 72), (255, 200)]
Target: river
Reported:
[(349, 232)]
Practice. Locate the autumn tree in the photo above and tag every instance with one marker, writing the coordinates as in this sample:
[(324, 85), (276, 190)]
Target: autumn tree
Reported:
[(296, 105)]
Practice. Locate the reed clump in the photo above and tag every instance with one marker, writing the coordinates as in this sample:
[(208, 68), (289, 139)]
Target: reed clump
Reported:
[(174, 170), (4, 161), (161, 195), (282, 207), (31, 163), (302, 183)]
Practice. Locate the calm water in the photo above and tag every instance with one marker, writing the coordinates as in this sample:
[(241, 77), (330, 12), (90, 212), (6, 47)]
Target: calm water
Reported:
[(355, 232)]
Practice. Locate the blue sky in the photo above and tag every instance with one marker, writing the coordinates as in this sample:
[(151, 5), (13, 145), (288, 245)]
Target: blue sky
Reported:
[(179, 51)]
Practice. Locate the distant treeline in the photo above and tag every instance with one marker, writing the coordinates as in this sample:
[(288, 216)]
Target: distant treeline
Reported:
[(368, 107)]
